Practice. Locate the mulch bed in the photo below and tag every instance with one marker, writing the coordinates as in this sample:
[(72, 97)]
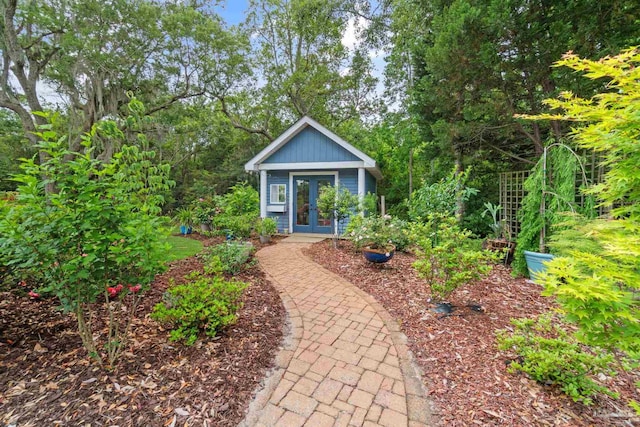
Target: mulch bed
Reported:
[(463, 370), (47, 379)]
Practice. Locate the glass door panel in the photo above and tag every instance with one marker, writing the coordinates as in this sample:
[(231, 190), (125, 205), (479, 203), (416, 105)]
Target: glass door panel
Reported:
[(302, 202), (323, 219)]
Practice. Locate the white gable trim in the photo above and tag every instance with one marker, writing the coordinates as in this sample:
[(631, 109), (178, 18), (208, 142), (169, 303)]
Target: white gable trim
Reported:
[(255, 162), (310, 165)]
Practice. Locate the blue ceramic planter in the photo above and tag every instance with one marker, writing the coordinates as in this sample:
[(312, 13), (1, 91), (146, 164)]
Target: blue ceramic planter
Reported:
[(378, 256), (535, 263), (185, 230)]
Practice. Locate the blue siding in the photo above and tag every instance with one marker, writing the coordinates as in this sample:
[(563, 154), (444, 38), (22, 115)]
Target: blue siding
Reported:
[(349, 179), (310, 146), (369, 183), (279, 177)]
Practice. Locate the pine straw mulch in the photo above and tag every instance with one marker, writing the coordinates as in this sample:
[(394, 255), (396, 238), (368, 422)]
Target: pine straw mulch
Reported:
[(46, 378), (463, 370)]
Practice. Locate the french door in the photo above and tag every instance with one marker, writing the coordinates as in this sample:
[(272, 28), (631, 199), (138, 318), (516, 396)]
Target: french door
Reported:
[(307, 217)]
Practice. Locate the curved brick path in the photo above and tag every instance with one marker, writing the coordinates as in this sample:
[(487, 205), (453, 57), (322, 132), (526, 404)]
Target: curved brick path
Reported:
[(345, 361)]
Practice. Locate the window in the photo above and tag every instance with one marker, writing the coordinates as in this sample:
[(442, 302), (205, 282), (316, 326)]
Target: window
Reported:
[(278, 194)]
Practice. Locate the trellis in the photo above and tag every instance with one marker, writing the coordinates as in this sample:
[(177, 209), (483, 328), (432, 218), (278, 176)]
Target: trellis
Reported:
[(512, 191), (511, 194)]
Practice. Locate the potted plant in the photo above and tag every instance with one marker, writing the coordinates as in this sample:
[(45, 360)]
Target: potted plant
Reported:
[(500, 239), (373, 236), (185, 218), (266, 227), (204, 215)]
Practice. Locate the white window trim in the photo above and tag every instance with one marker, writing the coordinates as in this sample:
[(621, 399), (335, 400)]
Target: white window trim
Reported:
[(277, 202)]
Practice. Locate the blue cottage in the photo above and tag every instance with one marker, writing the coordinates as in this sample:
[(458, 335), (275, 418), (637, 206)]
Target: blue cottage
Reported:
[(294, 168)]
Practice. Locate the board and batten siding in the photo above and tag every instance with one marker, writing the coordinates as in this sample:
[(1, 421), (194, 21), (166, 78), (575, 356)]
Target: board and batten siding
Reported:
[(349, 179), (310, 145), (369, 183), (278, 177)]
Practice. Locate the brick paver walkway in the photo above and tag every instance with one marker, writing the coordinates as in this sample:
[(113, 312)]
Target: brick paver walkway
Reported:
[(345, 361)]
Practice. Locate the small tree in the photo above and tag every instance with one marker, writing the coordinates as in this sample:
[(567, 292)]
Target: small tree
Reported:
[(339, 203), (446, 260), (98, 233)]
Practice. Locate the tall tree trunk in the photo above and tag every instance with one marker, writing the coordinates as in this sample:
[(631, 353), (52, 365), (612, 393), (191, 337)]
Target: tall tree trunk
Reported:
[(410, 171), (460, 206)]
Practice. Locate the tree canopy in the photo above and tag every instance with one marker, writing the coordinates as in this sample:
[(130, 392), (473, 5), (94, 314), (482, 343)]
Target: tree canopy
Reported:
[(456, 75)]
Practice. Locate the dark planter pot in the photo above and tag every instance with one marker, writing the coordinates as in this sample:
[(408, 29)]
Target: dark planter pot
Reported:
[(535, 263), (378, 256), (184, 229)]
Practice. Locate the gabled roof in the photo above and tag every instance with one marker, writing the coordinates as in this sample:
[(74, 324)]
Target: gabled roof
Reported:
[(299, 126)]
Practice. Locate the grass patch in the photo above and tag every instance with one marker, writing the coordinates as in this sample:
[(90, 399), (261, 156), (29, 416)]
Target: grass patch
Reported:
[(182, 247)]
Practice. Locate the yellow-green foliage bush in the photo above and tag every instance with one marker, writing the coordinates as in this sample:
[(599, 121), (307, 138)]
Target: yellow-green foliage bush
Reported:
[(599, 289)]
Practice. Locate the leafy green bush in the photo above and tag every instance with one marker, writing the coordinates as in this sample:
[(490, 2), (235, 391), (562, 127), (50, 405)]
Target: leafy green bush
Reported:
[(238, 211), (238, 226), (446, 259), (595, 279), (233, 256), (550, 355), (206, 304), (440, 198), (89, 226), (206, 208), (241, 200), (267, 226)]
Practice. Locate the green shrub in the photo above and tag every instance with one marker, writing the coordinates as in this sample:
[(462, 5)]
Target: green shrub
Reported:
[(233, 256), (446, 259), (90, 226), (267, 226), (238, 226), (237, 211), (550, 355), (596, 281), (207, 305), (339, 204), (440, 198), (206, 208)]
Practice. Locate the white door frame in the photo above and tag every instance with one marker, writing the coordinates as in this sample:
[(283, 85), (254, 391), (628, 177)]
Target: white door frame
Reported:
[(292, 193)]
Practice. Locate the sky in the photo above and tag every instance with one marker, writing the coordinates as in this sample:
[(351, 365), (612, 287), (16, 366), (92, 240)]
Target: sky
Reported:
[(232, 11)]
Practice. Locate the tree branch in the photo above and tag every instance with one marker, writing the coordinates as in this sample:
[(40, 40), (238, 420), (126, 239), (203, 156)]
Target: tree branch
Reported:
[(236, 124)]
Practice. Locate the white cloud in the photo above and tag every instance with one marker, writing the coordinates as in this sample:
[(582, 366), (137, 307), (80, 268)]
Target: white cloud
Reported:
[(351, 37)]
